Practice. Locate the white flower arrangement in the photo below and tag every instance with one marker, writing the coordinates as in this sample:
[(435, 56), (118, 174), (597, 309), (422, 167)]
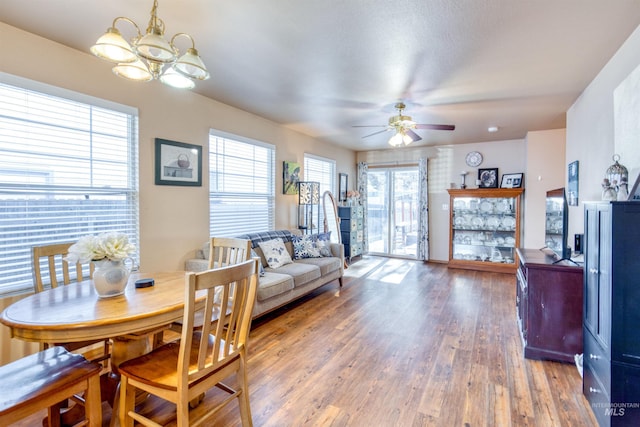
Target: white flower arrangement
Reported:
[(112, 246)]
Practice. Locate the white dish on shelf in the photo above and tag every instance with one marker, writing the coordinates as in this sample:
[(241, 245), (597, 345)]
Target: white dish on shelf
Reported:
[(459, 221), (477, 222), (510, 240), (508, 222), (486, 206), (493, 222), (502, 206), (459, 204)]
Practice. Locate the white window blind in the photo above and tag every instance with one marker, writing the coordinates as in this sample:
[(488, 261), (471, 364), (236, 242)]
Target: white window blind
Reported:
[(241, 185), (67, 168), (321, 170)]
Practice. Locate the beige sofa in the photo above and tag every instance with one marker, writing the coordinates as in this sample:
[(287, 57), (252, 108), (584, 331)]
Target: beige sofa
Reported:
[(279, 286)]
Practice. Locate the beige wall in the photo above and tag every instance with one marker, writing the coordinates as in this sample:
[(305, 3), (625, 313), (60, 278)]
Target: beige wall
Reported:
[(591, 128), (174, 221), (545, 171)]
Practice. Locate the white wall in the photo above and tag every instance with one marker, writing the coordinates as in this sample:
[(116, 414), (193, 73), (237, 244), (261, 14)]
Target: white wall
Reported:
[(174, 221), (545, 171), (591, 128)]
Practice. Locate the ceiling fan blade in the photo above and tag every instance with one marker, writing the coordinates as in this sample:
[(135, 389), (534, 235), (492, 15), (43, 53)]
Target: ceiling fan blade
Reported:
[(413, 135), (436, 127), (375, 133), (369, 126)]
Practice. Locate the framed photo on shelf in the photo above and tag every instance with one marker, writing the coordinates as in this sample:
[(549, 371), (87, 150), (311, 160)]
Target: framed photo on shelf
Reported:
[(342, 187), (178, 163), (488, 178), (512, 180)]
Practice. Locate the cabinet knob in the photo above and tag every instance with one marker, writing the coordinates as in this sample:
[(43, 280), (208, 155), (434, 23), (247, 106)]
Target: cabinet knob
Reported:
[(593, 356), (593, 390)]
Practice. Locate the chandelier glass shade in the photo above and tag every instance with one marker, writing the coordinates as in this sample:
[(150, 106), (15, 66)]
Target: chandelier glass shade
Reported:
[(145, 58)]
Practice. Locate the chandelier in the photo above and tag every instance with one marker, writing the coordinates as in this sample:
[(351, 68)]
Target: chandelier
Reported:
[(400, 137), (145, 58)]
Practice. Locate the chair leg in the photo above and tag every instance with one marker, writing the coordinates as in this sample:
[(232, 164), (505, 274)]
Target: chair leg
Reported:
[(243, 396), (182, 412), (127, 402), (93, 402)]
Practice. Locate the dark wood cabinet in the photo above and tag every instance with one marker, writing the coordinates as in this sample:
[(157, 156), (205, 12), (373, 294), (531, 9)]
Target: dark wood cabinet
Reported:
[(549, 306), (612, 312)]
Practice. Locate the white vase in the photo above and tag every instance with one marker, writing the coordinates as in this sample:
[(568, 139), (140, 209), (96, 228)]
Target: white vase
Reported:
[(110, 278)]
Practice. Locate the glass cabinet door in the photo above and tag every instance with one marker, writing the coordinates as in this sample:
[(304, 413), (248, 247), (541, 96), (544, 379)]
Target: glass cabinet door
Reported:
[(484, 229)]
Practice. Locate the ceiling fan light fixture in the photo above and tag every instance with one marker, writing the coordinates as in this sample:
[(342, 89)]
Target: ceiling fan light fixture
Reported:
[(396, 140)]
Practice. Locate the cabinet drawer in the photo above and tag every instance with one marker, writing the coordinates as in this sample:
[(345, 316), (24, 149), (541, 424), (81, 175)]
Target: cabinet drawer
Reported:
[(596, 395), (626, 380), (596, 359)]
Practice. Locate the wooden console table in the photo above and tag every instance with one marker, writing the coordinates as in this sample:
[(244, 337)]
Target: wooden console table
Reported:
[(549, 306)]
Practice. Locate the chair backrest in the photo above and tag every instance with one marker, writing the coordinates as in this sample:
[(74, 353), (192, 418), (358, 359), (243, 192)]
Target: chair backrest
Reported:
[(54, 252), (225, 251), (222, 340)]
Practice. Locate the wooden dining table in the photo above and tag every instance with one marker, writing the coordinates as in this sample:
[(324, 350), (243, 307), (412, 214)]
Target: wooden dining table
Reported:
[(75, 313)]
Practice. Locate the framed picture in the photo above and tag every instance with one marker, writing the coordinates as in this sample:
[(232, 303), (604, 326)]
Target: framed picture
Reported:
[(290, 177), (488, 178), (178, 163), (511, 180), (572, 195), (342, 187)]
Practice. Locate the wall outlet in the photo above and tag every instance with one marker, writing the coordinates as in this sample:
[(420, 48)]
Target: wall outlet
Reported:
[(445, 206)]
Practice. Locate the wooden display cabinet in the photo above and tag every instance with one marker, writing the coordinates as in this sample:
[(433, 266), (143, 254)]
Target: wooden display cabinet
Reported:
[(484, 229)]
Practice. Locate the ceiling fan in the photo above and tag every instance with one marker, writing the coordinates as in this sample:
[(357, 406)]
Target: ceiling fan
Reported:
[(403, 127)]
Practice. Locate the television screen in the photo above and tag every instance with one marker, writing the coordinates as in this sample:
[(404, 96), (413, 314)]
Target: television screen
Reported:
[(556, 225)]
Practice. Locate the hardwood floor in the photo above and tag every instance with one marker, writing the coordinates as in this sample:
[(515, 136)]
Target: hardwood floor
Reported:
[(403, 344)]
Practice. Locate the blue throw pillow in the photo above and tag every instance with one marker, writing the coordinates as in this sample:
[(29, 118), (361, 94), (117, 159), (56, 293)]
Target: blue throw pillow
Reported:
[(323, 243), (305, 247)]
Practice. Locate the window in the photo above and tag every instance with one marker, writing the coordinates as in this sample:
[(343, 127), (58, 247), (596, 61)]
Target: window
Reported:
[(68, 167), (241, 185), (323, 171)]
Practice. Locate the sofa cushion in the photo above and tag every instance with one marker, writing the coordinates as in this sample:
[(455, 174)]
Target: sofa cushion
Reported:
[(301, 272), (305, 247), (326, 264), (275, 252), (273, 284), (323, 242)]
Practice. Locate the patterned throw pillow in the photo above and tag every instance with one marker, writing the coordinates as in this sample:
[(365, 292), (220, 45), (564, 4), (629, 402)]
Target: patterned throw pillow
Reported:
[(323, 242), (275, 253), (305, 247)]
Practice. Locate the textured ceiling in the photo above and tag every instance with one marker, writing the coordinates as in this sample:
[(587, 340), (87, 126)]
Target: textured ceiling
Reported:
[(321, 67)]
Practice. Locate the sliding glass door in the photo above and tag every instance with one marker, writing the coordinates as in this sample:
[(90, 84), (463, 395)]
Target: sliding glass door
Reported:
[(392, 204)]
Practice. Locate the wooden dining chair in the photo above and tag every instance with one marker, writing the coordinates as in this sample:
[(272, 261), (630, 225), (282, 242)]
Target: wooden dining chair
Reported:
[(182, 370), (225, 251), (42, 380), (59, 272)]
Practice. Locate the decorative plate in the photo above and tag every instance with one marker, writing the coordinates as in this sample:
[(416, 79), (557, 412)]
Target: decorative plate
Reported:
[(502, 206), (508, 222), (486, 206), (459, 221), (493, 222), (477, 222), (473, 159)]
